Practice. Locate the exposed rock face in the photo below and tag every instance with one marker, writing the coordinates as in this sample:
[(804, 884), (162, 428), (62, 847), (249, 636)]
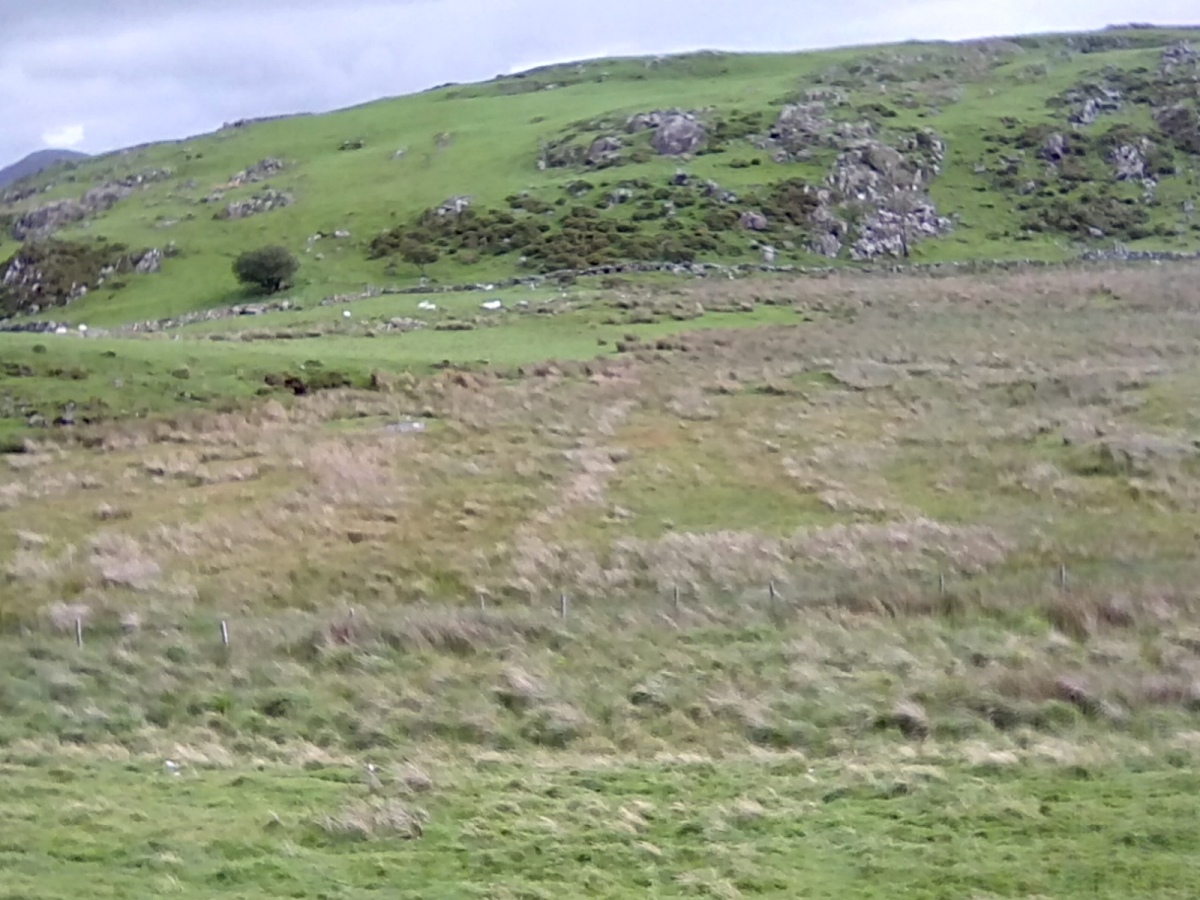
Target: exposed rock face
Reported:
[(675, 132), (1178, 56), (753, 221), (603, 149), (150, 262), (43, 221), (870, 169), (1098, 101), (888, 232), (890, 181), (826, 244), (45, 274), (454, 206), (644, 121), (1129, 161), (712, 189), (828, 230), (619, 196), (678, 134), (260, 171), (265, 201), (1055, 148), (800, 125)]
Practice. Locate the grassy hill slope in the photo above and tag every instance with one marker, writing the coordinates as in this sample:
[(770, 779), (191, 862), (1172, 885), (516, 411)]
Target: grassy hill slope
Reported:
[(992, 104)]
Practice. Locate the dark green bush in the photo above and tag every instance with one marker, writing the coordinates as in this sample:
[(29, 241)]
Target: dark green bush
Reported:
[(269, 269)]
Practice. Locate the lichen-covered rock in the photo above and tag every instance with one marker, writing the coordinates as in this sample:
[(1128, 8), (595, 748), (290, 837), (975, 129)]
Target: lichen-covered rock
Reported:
[(1054, 148), (1129, 161), (752, 220), (260, 171), (43, 221), (1178, 56), (266, 201), (455, 206), (603, 149), (149, 263), (677, 134)]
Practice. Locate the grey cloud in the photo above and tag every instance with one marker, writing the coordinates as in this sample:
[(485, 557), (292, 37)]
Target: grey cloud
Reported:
[(130, 71)]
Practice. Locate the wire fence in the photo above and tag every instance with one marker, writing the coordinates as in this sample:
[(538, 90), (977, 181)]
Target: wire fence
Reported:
[(1104, 587)]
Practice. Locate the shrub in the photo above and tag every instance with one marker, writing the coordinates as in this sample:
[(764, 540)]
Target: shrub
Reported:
[(419, 255), (269, 269)]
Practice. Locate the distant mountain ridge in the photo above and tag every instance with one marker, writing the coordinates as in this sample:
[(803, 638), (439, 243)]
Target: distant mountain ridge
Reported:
[(36, 162)]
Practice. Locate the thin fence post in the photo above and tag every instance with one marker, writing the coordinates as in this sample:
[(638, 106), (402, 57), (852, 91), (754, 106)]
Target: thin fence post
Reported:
[(224, 633), (482, 603), (1062, 576), (942, 584), (79, 631), (562, 606), (676, 599)]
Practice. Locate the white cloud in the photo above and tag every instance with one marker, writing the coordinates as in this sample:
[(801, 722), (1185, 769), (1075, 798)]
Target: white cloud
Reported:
[(64, 138)]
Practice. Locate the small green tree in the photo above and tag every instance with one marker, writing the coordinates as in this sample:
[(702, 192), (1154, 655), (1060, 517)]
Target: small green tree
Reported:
[(270, 269), (419, 254)]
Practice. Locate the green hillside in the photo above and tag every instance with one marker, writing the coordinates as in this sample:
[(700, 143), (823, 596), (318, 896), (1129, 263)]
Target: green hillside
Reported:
[(965, 133)]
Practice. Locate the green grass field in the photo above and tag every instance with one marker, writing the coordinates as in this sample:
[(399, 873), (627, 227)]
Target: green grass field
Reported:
[(874, 586), (770, 826)]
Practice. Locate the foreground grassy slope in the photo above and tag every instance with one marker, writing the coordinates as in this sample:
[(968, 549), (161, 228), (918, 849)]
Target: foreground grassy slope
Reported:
[(976, 673), (484, 140), (772, 826)]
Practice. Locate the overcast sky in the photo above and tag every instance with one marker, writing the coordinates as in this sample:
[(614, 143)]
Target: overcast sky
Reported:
[(97, 75)]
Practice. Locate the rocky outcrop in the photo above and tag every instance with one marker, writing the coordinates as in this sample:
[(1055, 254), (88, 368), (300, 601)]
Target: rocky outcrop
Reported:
[(1095, 102), (677, 134), (1054, 148), (260, 171), (45, 274), (1181, 56), (714, 190), (603, 149), (828, 231), (1129, 161), (265, 201), (800, 125), (454, 206), (870, 169), (150, 262), (43, 221), (892, 231), (752, 220)]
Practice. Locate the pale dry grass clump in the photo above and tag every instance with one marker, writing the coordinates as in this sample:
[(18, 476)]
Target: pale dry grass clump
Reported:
[(349, 471), (121, 561), (732, 560), (32, 564), (443, 629), (61, 616), (11, 495), (374, 819)]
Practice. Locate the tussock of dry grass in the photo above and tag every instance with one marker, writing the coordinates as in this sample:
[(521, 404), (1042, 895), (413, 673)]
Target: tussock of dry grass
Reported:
[(376, 819)]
